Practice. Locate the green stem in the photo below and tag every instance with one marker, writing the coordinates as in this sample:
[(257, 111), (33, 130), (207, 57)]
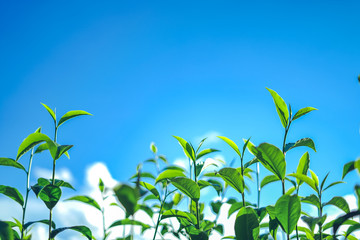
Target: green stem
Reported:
[(52, 182), (197, 203), (27, 192), (161, 207), (258, 183), (320, 216), (103, 216), (283, 186)]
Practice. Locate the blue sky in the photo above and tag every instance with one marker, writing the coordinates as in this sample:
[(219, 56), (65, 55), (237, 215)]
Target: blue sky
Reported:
[(150, 70)]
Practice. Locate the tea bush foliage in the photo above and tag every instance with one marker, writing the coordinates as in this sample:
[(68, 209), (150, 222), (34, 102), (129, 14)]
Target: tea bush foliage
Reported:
[(158, 192)]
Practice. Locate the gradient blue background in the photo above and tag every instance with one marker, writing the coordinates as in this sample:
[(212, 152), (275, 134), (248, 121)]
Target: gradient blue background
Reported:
[(148, 70)]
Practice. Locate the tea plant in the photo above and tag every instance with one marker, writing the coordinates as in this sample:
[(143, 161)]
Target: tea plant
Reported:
[(168, 192)]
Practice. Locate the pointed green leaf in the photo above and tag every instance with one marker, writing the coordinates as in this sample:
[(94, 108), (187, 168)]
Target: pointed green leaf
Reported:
[(305, 179), (127, 221), (187, 186), (151, 188), (269, 179), (169, 174), (206, 152), (12, 193), (61, 150), (333, 184), (247, 225), (339, 202), (143, 175), (51, 112), (303, 166), (72, 114), (81, 229), (232, 177), (340, 220), (314, 178), (50, 195), (281, 107), (312, 199), (179, 214), (11, 163), (288, 211), (304, 142), (101, 185), (351, 229), (231, 144), (85, 199), (272, 159), (348, 167), (188, 149), (153, 147), (128, 197), (302, 112), (32, 140)]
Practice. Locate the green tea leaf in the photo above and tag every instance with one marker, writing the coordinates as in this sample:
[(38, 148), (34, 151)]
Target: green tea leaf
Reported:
[(12, 193), (11, 163), (339, 202), (231, 144), (179, 214), (340, 220), (305, 179), (306, 142), (128, 197), (81, 229), (101, 185), (71, 114), (247, 225), (314, 178), (50, 195), (127, 221), (151, 188), (85, 199), (333, 184), (153, 147), (61, 150), (351, 229), (32, 140), (206, 152), (348, 167), (233, 177), (303, 166), (169, 174), (281, 107), (312, 199), (51, 112), (272, 159), (188, 149), (302, 112), (187, 186), (288, 211), (269, 179), (143, 175)]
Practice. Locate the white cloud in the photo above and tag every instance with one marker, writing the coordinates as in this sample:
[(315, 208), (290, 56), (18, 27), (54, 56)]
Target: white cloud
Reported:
[(62, 173)]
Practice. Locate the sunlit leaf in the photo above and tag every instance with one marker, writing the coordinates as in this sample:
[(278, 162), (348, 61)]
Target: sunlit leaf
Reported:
[(45, 221), (188, 149), (32, 140), (51, 112), (187, 186), (169, 174), (231, 144), (12, 193), (71, 114), (303, 166), (305, 179), (306, 142), (339, 202), (232, 177), (11, 163), (87, 200), (151, 188), (179, 214), (153, 147), (281, 107), (312, 199), (302, 112), (269, 179), (272, 159), (205, 152)]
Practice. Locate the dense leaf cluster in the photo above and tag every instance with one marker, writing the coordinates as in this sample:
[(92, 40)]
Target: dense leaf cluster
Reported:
[(160, 195)]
